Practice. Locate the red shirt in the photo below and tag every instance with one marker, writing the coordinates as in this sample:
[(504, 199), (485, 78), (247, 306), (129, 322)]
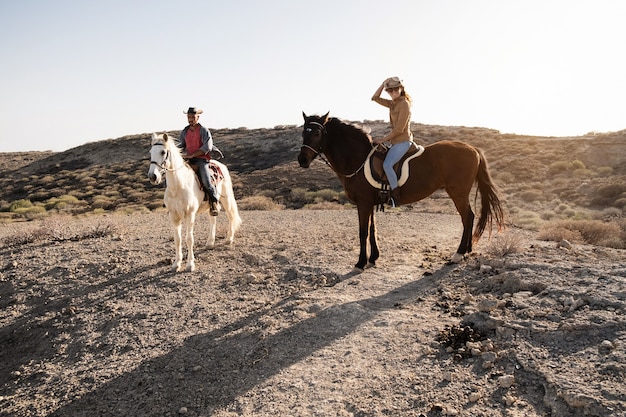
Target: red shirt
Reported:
[(193, 141)]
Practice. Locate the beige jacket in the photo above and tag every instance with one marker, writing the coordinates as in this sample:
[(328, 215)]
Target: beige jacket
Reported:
[(399, 119)]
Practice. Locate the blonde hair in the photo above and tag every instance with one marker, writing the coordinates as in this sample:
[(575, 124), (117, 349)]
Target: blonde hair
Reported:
[(408, 97)]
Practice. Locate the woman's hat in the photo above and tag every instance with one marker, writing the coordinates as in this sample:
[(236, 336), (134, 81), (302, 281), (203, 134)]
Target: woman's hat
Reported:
[(193, 110), (393, 82)]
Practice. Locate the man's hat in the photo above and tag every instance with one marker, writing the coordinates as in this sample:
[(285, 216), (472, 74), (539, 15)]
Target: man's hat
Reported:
[(193, 110)]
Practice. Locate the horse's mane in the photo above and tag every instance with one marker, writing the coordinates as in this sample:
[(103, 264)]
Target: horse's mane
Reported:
[(171, 143), (350, 129)]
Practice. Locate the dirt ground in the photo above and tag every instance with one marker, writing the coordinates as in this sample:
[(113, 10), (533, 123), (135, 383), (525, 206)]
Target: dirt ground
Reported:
[(277, 324)]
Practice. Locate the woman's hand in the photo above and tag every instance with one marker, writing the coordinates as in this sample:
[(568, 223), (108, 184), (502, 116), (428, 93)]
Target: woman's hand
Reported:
[(379, 91)]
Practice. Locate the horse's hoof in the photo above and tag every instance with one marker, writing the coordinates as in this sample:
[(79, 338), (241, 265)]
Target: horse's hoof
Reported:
[(370, 265), (191, 268), (456, 258), (357, 270), (176, 268)]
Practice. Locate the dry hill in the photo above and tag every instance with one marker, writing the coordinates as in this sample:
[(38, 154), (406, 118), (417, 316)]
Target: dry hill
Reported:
[(544, 179)]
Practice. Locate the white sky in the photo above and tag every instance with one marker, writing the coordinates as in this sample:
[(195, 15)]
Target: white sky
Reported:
[(74, 72)]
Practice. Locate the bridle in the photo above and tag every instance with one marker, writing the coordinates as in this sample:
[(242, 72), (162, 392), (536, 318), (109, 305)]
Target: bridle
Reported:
[(320, 150), (165, 159), (323, 131)]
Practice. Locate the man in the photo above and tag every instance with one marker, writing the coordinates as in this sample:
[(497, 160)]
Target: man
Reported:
[(196, 142)]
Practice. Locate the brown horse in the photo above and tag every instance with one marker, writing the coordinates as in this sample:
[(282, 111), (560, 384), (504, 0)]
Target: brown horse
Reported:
[(449, 165)]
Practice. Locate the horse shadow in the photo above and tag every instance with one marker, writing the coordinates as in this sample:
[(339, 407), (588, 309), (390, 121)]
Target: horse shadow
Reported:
[(210, 370)]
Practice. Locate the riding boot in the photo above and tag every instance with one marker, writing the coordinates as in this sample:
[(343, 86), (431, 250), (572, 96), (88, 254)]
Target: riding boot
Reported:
[(394, 200), (211, 197), (213, 207)]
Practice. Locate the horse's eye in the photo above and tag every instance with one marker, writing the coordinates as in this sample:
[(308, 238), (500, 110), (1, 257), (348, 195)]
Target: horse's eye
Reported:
[(162, 152), (308, 129)]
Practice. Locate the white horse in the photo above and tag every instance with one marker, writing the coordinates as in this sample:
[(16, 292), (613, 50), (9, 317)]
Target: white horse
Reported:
[(184, 198)]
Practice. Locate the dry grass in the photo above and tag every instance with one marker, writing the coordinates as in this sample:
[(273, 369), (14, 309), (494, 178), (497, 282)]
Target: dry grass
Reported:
[(593, 232), (259, 202), (504, 244)]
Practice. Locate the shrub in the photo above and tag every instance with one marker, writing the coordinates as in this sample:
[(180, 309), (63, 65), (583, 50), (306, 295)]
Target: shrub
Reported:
[(84, 178), (20, 204), (259, 202), (558, 167), (611, 190), (298, 194), (605, 171), (56, 230), (607, 214), (30, 212), (528, 220), (532, 195), (325, 205), (504, 244), (102, 201), (132, 208), (63, 202), (268, 193), (583, 172), (593, 232), (321, 195)]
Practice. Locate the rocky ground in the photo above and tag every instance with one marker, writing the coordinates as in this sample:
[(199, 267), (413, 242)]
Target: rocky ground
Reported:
[(93, 322)]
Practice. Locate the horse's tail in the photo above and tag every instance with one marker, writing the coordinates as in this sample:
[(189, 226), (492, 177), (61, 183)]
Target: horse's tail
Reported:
[(491, 206), (231, 204)]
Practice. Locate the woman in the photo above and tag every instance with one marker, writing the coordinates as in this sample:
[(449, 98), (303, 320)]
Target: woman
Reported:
[(400, 138)]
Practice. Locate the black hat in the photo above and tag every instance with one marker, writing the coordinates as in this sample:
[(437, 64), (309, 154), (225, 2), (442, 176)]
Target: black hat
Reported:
[(193, 110)]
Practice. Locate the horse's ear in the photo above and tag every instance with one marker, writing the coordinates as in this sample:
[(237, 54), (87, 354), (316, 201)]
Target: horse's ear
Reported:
[(304, 115), (325, 118), (165, 136)]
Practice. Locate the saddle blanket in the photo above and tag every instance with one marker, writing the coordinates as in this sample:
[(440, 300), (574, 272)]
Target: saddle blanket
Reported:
[(404, 170)]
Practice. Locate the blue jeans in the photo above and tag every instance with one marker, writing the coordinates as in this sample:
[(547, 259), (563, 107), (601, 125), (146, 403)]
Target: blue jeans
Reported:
[(205, 176), (394, 154)]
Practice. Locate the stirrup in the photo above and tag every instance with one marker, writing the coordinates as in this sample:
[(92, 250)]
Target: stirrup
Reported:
[(393, 197), (384, 195)]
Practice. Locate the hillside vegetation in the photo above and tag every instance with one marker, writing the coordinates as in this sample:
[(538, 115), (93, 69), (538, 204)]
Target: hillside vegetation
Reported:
[(568, 188)]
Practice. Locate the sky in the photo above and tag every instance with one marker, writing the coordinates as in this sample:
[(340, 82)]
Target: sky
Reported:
[(80, 71)]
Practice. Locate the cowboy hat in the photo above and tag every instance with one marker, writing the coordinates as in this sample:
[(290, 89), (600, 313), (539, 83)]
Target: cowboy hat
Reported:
[(393, 82), (193, 110)]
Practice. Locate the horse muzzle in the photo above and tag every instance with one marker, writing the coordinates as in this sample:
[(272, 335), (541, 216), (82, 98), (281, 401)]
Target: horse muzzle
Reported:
[(304, 159), (304, 162), (154, 176)]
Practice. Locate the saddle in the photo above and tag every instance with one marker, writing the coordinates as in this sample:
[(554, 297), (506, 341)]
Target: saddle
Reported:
[(375, 173), (215, 177)]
